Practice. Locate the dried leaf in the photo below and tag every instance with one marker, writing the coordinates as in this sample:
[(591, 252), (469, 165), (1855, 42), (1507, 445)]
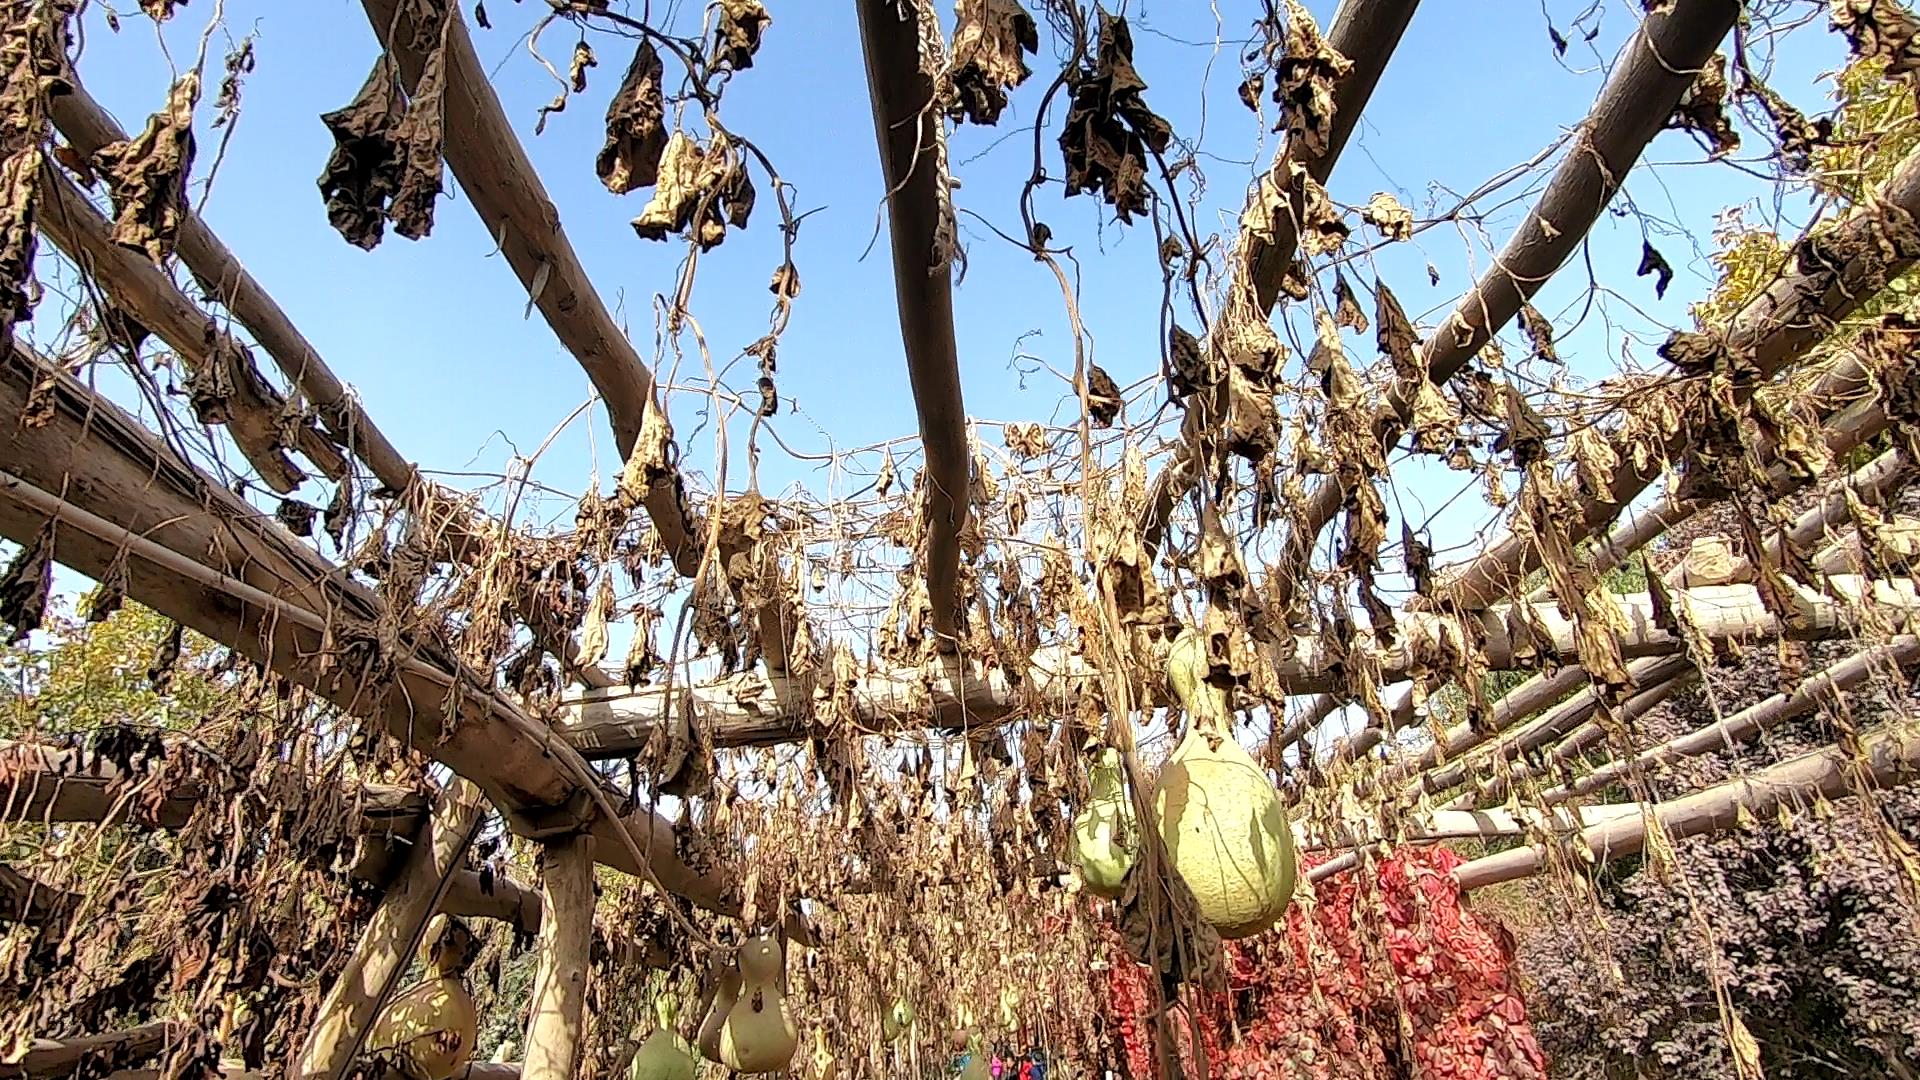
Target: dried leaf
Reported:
[(25, 586), (636, 135), (593, 634), (165, 658), (1394, 333), (1703, 108), (1346, 310), (1103, 396), (1109, 127), (1304, 83), (1322, 232), (583, 59), (1539, 332), (147, 175), (698, 192), (989, 40), (1652, 262), (1025, 441), (112, 593), (368, 161), (1394, 221), (419, 136), (1879, 29), (296, 516), (737, 38), (1250, 90)]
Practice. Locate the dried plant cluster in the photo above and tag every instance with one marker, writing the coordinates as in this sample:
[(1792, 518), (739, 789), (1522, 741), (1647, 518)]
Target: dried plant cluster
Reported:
[(864, 724)]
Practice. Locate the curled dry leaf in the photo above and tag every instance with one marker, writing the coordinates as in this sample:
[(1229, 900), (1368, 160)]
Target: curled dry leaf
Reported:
[(593, 633), (364, 170), (1703, 108), (1303, 86), (991, 39), (1025, 441), (147, 174), (1394, 221), (1880, 29), (1395, 336), (1652, 262), (1323, 231), (1109, 127), (703, 190), (742, 23), (1435, 423), (636, 132), (1346, 311), (296, 516), (583, 59), (1798, 136), (32, 67), (1103, 396), (25, 585), (1539, 331), (112, 593), (420, 136)]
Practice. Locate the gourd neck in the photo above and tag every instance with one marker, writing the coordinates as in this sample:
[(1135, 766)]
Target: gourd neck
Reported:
[(1187, 669)]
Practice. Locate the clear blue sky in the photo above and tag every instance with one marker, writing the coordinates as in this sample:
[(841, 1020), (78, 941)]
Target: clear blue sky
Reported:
[(433, 337)]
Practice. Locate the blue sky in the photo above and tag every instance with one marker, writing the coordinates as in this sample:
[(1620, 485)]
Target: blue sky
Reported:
[(432, 334)]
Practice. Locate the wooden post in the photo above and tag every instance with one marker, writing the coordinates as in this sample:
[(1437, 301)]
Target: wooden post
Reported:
[(566, 933), (387, 944)]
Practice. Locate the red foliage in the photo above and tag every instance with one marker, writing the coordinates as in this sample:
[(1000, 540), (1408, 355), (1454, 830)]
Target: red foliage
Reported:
[(1325, 999)]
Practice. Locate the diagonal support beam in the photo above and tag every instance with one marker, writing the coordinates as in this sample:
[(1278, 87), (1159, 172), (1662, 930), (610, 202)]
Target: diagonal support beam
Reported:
[(503, 187), (907, 126)]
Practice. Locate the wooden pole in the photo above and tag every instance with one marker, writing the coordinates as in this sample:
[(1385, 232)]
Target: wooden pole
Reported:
[(386, 946), (554, 1029)]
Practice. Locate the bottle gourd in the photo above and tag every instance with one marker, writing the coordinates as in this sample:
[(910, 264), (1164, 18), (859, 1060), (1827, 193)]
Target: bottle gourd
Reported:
[(663, 1056), (1104, 835), (759, 1036), (1222, 822), (428, 1030), (725, 978)]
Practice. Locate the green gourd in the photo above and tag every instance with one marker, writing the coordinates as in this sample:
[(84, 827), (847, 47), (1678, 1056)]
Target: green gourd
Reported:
[(759, 1036), (725, 977), (1221, 819), (429, 1029), (1104, 833), (663, 1056)]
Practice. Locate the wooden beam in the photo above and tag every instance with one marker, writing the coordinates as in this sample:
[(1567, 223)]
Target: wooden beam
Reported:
[(206, 558), (1653, 70), (912, 163), (1773, 330), (28, 901), (253, 408), (88, 127), (502, 186), (93, 1054), (1366, 33), (1887, 759), (1820, 690), (957, 694), (554, 1027), (388, 942), (1436, 825)]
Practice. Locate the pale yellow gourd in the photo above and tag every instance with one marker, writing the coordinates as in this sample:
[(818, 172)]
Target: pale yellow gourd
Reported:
[(1105, 833), (663, 1055), (897, 1021), (725, 977), (759, 1036), (824, 1066), (428, 1029), (1221, 819)]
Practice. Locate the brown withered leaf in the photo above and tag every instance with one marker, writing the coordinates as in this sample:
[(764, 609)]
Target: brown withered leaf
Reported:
[(1304, 82), (420, 136), (25, 585), (166, 657), (1419, 560), (593, 634), (1394, 221), (1366, 527), (296, 516), (1025, 441), (737, 38), (147, 174), (1703, 108), (1394, 333), (339, 512), (1109, 127), (1798, 136), (1881, 30), (1435, 423), (1539, 331), (1694, 353), (161, 10), (699, 191), (112, 593), (1652, 262), (1191, 366), (1322, 232), (1526, 431), (367, 162), (583, 58), (1346, 311), (1250, 90), (1253, 424), (636, 131), (990, 38), (1103, 396)]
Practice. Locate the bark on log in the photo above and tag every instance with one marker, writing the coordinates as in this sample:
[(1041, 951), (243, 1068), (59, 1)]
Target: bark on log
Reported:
[(253, 407), (387, 943), (1436, 825), (201, 555), (1813, 693), (1774, 330), (503, 187), (957, 694), (94, 1053), (1891, 759), (908, 127), (1366, 32), (1654, 69), (554, 1028)]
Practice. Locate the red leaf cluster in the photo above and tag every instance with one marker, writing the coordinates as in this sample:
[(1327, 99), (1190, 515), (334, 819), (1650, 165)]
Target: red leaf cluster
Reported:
[(1325, 1000)]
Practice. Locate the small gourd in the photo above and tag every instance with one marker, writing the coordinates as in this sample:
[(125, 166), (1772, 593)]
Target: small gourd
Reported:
[(897, 1021), (1104, 832), (978, 1068), (824, 1067), (428, 1030), (726, 981), (1222, 822), (663, 1055), (759, 1036)]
